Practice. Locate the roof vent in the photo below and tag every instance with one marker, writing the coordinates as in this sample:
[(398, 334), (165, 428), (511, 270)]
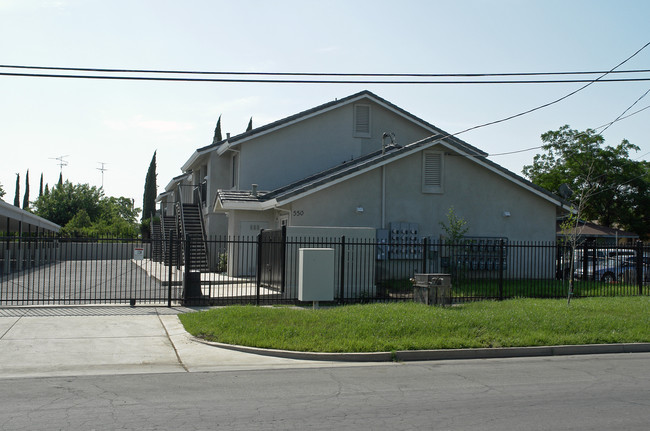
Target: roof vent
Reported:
[(254, 190)]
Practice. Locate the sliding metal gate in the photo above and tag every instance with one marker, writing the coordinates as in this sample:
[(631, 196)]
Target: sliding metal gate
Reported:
[(53, 271)]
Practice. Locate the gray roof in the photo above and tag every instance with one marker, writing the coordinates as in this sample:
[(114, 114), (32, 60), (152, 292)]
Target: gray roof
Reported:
[(14, 215), (241, 196), (376, 158)]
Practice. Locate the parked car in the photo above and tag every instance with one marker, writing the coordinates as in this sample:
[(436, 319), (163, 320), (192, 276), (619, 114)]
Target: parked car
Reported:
[(623, 268), (605, 262)]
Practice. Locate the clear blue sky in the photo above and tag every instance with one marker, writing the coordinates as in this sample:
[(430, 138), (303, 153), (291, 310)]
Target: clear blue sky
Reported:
[(121, 123)]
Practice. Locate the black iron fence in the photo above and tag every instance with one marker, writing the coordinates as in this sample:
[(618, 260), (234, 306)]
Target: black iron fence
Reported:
[(267, 269), (64, 271)]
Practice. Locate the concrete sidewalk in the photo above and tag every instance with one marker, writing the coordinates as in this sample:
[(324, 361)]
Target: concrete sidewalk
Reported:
[(92, 340), (67, 341)]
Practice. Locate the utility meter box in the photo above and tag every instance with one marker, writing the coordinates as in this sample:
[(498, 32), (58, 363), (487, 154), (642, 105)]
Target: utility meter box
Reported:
[(316, 274), (432, 289)]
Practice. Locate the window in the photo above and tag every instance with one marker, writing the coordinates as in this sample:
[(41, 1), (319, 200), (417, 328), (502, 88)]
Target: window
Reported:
[(432, 172), (362, 121)]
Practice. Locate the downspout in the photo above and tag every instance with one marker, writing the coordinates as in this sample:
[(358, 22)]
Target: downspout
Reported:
[(391, 136), (383, 197)]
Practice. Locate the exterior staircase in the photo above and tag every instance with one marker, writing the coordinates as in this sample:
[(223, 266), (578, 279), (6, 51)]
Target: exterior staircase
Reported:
[(156, 240), (167, 224), (190, 225)]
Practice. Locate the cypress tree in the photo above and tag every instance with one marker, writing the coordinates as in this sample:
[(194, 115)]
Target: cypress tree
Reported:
[(26, 197), (60, 180), (17, 195), (217, 132), (250, 125), (150, 190), (40, 189)]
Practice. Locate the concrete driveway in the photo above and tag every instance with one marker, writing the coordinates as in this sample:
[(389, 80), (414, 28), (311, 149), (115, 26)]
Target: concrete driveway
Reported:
[(64, 341)]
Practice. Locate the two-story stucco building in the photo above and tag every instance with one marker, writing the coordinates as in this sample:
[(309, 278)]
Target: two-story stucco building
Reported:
[(359, 161)]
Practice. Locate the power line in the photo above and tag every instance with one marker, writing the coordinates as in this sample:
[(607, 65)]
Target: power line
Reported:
[(599, 79), (620, 118), (319, 81), (623, 113), (338, 74)]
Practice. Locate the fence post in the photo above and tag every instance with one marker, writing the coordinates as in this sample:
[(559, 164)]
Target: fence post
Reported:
[(169, 286), (259, 268), (424, 255), (639, 266), (502, 256), (342, 273), (283, 259)]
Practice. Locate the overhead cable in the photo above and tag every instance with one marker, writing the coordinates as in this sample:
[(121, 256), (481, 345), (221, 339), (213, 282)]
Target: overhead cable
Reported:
[(338, 74), (319, 81)]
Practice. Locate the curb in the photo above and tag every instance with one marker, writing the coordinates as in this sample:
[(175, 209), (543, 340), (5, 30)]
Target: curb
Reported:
[(440, 354)]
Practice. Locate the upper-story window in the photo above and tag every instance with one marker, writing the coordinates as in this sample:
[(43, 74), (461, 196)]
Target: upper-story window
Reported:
[(433, 172), (362, 120)]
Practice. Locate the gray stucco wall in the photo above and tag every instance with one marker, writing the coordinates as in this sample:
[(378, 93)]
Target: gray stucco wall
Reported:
[(478, 195), (315, 144)]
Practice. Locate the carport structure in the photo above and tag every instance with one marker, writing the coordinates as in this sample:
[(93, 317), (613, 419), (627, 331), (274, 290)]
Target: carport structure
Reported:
[(18, 227)]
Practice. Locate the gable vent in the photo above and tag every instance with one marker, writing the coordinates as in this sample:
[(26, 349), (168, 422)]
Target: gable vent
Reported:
[(432, 172), (362, 121)]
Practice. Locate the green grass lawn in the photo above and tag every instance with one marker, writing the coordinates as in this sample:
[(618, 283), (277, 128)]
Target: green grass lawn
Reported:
[(518, 288), (411, 326)]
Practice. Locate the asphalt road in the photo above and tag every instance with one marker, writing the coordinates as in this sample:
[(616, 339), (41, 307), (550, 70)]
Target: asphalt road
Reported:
[(598, 392)]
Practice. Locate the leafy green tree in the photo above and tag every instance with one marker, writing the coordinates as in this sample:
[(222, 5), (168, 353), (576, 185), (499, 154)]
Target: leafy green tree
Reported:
[(150, 190), (83, 210), (617, 186), (17, 195), (79, 224), (2, 191), (26, 197), (65, 201)]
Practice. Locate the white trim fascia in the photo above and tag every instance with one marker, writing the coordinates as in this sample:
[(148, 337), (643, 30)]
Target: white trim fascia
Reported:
[(194, 158), (195, 155), (162, 195), (245, 206), (169, 187), (223, 148)]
